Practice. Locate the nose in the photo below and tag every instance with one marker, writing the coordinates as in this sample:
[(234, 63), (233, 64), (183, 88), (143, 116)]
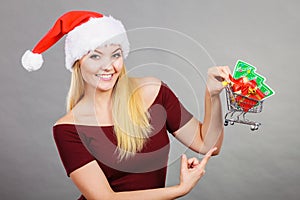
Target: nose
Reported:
[(107, 65)]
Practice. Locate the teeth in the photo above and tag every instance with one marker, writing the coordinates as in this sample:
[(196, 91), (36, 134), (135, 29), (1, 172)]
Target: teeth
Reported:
[(104, 75)]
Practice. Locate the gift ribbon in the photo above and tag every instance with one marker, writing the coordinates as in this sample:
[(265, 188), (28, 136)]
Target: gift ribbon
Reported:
[(245, 88)]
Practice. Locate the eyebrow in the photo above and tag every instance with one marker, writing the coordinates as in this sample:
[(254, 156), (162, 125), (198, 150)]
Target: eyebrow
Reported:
[(102, 53)]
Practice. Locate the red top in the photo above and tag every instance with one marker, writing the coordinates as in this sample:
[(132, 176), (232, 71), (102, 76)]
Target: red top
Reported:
[(81, 144)]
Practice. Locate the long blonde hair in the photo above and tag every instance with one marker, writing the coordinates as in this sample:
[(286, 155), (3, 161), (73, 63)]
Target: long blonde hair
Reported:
[(130, 117)]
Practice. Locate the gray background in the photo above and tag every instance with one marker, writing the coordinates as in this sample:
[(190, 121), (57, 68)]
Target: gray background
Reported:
[(252, 165)]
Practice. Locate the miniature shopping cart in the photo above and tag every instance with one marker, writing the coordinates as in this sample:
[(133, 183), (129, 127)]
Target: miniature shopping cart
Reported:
[(236, 114)]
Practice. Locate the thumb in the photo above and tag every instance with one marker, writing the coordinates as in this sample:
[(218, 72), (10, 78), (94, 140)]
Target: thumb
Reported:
[(183, 162)]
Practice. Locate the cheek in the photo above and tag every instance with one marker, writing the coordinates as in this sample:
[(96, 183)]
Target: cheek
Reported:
[(89, 66), (86, 73), (118, 64)]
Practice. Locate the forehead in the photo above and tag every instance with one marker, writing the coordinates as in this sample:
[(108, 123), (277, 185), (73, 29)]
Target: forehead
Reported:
[(108, 48)]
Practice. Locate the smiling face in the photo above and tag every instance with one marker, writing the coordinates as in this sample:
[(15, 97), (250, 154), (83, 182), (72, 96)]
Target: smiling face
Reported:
[(101, 68)]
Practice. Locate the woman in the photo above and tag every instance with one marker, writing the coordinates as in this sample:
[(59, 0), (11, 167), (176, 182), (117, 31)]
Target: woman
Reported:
[(113, 140)]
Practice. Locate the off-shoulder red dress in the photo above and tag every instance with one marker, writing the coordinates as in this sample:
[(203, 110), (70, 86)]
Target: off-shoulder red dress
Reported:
[(80, 144)]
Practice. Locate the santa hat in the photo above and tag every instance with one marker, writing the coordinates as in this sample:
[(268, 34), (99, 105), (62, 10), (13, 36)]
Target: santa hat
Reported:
[(85, 31)]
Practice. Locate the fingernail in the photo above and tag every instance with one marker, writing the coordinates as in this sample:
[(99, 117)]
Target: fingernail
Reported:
[(224, 83)]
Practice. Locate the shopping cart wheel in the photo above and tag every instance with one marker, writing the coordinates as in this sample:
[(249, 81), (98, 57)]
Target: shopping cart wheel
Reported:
[(254, 127), (231, 122), (226, 123)]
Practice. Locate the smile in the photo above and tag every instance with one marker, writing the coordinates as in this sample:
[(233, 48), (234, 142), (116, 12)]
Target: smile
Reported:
[(104, 76)]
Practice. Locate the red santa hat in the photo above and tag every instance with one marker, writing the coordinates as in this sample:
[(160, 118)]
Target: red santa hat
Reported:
[(85, 31)]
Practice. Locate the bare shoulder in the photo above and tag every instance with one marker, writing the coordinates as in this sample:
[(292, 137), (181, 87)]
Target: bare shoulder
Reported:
[(148, 82), (66, 119), (149, 88)]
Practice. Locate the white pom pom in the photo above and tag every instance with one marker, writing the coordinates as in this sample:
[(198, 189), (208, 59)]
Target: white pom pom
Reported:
[(32, 61)]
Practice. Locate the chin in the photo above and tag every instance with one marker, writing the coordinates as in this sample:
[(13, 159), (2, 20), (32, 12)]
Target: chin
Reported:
[(105, 86)]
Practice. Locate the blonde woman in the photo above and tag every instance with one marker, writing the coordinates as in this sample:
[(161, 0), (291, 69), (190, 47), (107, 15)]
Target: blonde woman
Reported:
[(113, 139)]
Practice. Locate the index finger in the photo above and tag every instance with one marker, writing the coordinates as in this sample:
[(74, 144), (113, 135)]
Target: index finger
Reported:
[(206, 157), (227, 69), (222, 73)]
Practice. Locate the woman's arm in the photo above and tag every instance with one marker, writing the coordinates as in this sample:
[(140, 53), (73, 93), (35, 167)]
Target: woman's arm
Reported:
[(201, 137), (93, 184)]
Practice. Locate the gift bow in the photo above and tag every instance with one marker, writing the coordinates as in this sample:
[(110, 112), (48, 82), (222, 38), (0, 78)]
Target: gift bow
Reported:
[(246, 88)]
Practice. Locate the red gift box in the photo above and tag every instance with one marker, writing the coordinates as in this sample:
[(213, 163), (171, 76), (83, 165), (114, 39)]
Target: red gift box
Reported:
[(247, 92)]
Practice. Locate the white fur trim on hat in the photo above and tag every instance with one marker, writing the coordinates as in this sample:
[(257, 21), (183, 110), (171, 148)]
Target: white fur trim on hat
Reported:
[(92, 34), (32, 61)]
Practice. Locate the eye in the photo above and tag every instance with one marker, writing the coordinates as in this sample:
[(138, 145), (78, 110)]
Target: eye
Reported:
[(95, 56), (117, 55)]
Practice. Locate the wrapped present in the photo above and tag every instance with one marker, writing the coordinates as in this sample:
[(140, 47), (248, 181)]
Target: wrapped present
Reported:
[(246, 70), (248, 94)]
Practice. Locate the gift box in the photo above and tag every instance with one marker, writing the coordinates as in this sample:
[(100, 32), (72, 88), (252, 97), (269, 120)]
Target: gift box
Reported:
[(247, 92)]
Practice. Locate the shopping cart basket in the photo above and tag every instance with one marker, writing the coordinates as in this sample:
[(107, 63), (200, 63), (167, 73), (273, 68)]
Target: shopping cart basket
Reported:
[(236, 109)]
